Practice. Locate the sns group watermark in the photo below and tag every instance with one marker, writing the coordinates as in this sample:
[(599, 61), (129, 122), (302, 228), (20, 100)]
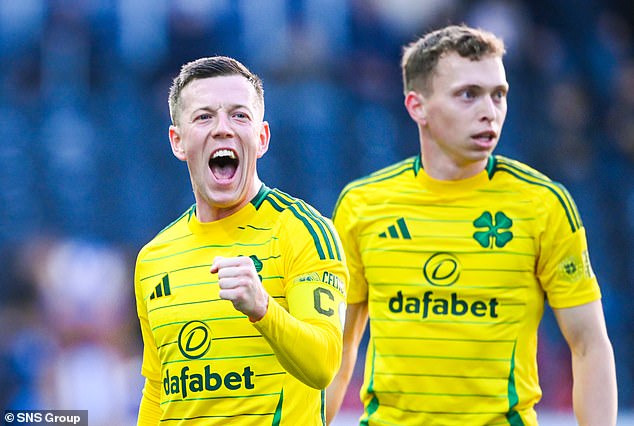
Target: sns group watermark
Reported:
[(46, 417)]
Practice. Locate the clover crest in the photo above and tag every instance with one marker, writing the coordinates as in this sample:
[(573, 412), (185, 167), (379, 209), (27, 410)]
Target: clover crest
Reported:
[(496, 230), (257, 263)]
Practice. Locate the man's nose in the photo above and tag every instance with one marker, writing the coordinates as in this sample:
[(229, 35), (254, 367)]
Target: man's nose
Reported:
[(222, 126), (488, 109)]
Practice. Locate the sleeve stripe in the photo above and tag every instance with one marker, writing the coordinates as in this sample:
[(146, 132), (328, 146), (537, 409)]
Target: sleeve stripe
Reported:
[(319, 229), (573, 206), (560, 192), (309, 227), (331, 232), (326, 229)]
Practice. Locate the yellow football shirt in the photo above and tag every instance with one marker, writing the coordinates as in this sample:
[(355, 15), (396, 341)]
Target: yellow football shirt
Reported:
[(204, 361), (455, 274)]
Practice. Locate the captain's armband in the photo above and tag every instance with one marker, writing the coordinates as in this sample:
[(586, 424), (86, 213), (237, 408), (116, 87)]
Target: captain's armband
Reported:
[(325, 291), (325, 277)]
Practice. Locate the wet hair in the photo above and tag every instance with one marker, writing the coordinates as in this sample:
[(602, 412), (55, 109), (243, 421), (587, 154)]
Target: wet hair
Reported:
[(421, 57), (214, 66)]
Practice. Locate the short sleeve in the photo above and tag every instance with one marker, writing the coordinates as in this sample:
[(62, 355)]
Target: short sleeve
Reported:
[(564, 269)]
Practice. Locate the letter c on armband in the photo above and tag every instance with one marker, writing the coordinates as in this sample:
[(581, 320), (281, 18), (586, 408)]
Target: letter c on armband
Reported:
[(317, 297)]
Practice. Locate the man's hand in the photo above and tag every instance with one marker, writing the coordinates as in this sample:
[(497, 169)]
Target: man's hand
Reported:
[(239, 283)]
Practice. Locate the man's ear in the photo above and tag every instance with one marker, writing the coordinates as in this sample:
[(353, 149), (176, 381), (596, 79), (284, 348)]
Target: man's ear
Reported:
[(415, 105), (265, 137), (177, 143)]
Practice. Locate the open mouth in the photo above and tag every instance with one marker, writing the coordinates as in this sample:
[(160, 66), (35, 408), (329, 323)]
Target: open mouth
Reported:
[(487, 136), (223, 164)]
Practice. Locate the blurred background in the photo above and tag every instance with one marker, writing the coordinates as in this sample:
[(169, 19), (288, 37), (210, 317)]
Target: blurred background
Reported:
[(87, 176)]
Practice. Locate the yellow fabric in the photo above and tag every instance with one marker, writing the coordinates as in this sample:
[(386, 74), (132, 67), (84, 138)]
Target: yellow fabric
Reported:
[(455, 275), (149, 409), (212, 363)]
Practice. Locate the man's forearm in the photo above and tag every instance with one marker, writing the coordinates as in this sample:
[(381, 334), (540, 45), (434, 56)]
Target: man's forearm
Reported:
[(310, 352), (356, 320), (594, 388), (337, 389)]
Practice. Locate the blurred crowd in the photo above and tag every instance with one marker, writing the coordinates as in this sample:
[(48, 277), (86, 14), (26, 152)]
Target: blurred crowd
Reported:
[(87, 175)]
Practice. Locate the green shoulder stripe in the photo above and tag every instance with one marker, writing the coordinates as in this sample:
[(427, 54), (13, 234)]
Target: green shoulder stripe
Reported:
[(316, 225), (411, 164), (327, 230), (260, 196), (533, 177)]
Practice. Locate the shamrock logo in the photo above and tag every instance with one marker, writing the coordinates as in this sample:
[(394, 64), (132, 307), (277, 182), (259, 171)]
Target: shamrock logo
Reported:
[(258, 264), (496, 231)]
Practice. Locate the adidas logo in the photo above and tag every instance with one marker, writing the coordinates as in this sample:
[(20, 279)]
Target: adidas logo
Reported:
[(162, 288), (393, 231)]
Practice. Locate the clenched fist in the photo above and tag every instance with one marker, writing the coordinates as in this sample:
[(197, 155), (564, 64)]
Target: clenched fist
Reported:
[(239, 283)]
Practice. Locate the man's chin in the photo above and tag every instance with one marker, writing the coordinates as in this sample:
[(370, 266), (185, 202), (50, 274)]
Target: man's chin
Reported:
[(226, 197)]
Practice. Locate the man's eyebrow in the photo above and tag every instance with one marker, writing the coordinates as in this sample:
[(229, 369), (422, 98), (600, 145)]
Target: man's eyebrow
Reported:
[(212, 108), (467, 86), (477, 86)]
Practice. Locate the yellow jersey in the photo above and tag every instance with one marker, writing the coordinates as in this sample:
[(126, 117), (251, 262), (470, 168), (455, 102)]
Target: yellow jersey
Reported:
[(455, 274), (204, 361)]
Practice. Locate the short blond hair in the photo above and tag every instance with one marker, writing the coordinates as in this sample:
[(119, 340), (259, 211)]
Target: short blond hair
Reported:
[(420, 57), (214, 66)]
